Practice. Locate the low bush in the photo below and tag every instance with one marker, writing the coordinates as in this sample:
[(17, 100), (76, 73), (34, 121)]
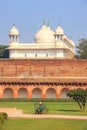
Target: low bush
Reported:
[(3, 116)]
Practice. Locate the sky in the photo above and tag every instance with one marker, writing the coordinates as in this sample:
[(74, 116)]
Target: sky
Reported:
[(28, 16)]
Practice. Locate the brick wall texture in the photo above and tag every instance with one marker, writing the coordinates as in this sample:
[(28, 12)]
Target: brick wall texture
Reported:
[(43, 68)]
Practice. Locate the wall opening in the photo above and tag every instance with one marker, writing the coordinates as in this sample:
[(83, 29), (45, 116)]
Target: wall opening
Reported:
[(51, 93), (64, 93), (22, 93), (36, 93), (8, 93)]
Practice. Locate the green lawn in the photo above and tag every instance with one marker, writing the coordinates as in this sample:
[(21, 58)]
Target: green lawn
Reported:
[(44, 124), (64, 108)]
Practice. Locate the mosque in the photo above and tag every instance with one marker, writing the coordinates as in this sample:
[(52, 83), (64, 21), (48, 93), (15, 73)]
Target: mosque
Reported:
[(47, 44), (46, 68)]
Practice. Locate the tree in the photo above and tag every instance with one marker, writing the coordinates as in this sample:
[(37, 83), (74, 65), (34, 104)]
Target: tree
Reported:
[(82, 49), (4, 53), (79, 95)]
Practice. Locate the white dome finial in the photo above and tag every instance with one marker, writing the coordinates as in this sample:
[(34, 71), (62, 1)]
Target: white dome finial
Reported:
[(58, 23), (43, 22), (13, 23), (48, 24)]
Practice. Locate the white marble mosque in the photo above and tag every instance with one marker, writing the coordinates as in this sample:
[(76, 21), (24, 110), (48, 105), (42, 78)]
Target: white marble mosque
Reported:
[(48, 43)]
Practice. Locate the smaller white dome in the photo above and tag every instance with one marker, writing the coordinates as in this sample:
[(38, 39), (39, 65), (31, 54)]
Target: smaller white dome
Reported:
[(14, 31), (59, 30)]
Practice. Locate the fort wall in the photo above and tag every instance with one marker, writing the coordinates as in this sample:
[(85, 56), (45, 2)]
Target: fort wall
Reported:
[(38, 78)]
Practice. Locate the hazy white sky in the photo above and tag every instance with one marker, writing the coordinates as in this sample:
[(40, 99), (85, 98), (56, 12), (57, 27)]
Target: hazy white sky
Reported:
[(29, 15)]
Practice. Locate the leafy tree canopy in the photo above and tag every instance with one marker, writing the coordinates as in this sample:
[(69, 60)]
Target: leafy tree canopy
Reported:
[(4, 53), (82, 49), (79, 95)]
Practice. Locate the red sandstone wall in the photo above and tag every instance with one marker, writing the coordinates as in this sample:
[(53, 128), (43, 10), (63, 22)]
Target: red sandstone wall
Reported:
[(40, 68)]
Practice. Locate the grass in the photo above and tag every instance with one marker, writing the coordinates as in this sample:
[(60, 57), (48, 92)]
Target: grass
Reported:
[(44, 124), (62, 108)]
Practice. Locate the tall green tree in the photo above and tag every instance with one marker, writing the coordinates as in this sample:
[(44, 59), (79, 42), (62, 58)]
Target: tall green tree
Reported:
[(82, 49), (79, 95)]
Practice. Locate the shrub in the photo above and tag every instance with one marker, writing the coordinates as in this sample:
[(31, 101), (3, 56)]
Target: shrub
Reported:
[(5, 116), (1, 118)]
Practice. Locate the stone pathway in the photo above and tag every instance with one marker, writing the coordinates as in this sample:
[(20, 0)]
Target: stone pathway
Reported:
[(36, 116), (18, 113)]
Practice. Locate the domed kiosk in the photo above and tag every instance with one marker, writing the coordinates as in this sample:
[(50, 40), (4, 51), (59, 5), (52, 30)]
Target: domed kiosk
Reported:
[(14, 34)]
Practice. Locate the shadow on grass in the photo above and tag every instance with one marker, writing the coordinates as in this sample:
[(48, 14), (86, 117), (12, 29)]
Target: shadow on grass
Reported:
[(68, 110)]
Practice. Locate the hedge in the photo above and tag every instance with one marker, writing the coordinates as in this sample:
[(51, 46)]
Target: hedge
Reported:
[(36, 99)]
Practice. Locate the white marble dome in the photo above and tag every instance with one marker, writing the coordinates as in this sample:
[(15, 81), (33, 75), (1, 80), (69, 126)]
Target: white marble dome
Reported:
[(59, 30), (14, 31), (45, 35)]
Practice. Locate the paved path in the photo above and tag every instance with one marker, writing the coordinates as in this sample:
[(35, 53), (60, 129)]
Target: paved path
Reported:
[(36, 116), (18, 113)]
